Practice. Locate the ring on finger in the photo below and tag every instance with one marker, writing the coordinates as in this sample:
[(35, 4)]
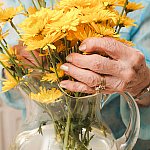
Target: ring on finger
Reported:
[(102, 85)]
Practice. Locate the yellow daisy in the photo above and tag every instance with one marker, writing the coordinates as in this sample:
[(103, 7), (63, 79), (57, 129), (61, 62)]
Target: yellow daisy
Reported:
[(35, 35), (104, 30), (8, 14), (59, 46), (46, 96), (52, 76), (5, 58), (68, 21), (126, 21), (121, 3), (84, 31), (132, 6), (99, 16), (37, 42), (9, 83), (31, 10)]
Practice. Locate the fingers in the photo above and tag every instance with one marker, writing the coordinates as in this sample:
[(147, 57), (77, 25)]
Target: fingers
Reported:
[(93, 79), (25, 55), (85, 76), (96, 63), (112, 47), (80, 87), (76, 87)]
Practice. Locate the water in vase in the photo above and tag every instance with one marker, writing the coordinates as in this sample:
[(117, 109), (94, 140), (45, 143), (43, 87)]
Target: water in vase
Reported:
[(29, 140)]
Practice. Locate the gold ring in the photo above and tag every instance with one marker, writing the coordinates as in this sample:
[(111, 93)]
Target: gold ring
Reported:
[(102, 85)]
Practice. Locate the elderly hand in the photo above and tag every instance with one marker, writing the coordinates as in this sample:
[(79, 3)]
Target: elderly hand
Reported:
[(24, 55), (124, 70)]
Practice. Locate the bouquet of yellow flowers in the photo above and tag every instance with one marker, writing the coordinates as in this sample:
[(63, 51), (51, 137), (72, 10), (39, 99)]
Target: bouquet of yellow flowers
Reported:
[(49, 34)]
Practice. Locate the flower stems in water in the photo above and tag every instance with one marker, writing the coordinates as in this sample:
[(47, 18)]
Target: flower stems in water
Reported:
[(67, 129)]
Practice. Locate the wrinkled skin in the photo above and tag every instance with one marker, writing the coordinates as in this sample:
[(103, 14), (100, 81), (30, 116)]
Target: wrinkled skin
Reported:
[(124, 69)]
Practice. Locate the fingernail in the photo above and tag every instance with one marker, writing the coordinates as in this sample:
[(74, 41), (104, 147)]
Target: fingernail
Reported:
[(69, 58), (82, 47), (62, 85), (64, 67)]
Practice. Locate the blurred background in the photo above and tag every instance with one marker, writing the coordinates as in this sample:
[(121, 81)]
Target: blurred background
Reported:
[(10, 121)]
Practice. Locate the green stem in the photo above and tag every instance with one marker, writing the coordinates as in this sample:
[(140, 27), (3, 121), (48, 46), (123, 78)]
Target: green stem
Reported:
[(34, 4), (65, 40), (43, 3), (48, 62), (55, 69), (51, 115), (35, 58), (67, 132), (12, 24), (42, 59), (39, 68), (77, 101), (39, 3), (12, 60), (5, 42), (57, 56), (124, 7), (14, 27), (52, 3), (8, 70), (23, 6)]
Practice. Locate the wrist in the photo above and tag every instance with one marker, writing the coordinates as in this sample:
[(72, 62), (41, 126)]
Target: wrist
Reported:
[(143, 98), (145, 102), (144, 93)]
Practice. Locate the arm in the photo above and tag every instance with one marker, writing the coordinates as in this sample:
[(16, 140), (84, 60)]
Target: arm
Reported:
[(126, 71), (141, 37)]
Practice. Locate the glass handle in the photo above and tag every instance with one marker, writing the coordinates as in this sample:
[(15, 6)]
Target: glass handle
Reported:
[(129, 138)]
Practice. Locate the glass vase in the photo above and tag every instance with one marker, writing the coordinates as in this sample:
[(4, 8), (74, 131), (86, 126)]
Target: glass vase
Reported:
[(72, 123)]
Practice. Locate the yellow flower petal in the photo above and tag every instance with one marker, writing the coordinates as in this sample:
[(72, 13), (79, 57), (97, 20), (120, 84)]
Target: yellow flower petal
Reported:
[(52, 77), (46, 96), (132, 6), (9, 84), (8, 14), (32, 10)]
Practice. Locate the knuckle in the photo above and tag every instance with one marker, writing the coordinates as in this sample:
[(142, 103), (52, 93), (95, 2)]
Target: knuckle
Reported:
[(74, 57), (96, 64), (116, 68), (99, 63), (81, 88), (138, 59), (84, 89), (76, 87), (92, 81), (110, 43), (130, 75)]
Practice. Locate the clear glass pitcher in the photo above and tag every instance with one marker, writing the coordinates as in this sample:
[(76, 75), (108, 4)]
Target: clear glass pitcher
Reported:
[(76, 123)]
